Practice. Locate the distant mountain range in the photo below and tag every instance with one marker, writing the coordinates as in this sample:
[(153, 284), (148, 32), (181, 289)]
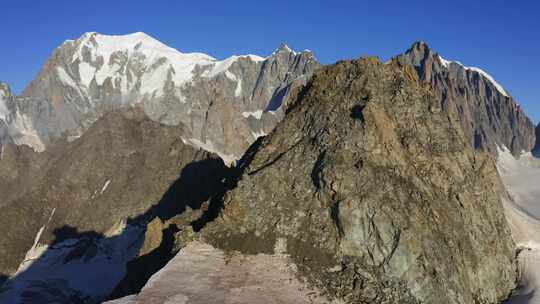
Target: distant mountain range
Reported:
[(222, 106)]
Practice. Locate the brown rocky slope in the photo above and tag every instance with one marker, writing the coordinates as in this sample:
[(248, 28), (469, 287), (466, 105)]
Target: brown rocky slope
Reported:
[(376, 194)]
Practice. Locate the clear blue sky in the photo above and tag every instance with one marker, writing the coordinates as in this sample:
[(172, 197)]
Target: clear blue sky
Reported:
[(502, 37)]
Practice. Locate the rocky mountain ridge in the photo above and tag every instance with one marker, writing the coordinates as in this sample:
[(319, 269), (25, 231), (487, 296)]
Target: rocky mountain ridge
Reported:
[(490, 117)]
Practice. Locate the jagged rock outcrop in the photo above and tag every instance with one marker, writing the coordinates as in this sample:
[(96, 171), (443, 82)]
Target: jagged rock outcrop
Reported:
[(489, 116), (222, 106), (374, 193)]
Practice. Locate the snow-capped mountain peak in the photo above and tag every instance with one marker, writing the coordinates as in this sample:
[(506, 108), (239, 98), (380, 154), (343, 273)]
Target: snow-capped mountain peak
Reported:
[(87, 77), (138, 61), (135, 42), (132, 60)]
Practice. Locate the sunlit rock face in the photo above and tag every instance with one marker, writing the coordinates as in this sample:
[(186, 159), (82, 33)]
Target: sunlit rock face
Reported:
[(375, 194)]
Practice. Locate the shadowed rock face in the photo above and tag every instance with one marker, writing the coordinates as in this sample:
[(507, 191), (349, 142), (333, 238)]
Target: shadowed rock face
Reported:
[(376, 193), (118, 169), (487, 114)]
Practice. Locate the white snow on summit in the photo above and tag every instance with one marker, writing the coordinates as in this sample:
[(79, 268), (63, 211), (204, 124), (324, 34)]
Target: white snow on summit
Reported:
[(102, 56), (286, 48), (490, 78), (122, 57), (446, 63)]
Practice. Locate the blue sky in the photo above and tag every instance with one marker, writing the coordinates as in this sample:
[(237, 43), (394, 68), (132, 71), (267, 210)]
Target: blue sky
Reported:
[(501, 37)]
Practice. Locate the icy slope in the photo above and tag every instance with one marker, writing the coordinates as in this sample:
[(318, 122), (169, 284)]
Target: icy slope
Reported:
[(201, 274), (521, 178), (86, 269)]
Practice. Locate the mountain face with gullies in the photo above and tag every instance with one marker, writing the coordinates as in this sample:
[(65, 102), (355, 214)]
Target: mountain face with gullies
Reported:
[(127, 165), (222, 106), (487, 113)]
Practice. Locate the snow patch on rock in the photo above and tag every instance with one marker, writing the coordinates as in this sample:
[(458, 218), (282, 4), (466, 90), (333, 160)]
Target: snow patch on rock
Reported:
[(105, 56), (208, 146), (4, 112), (257, 134), (222, 66), (65, 78), (105, 186), (37, 249), (238, 89), (257, 114)]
